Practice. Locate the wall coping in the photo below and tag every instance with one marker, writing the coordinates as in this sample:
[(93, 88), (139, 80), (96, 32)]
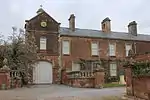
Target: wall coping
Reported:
[(82, 78), (3, 71), (99, 70), (142, 76)]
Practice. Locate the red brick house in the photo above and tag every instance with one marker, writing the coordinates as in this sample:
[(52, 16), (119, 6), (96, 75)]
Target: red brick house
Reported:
[(64, 48)]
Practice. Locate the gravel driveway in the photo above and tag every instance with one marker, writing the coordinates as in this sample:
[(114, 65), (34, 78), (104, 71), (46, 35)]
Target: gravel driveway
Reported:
[(57, 92)]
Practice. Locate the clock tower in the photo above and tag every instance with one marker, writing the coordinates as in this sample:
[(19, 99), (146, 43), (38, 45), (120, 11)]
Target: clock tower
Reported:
[(46, 32), (43, 25)]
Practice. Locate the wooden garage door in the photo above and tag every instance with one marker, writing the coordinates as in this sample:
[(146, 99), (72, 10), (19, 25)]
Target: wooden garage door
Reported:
[(42, 73)]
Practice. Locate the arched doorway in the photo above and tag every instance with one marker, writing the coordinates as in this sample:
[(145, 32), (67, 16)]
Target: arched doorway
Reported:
[(42, 73)]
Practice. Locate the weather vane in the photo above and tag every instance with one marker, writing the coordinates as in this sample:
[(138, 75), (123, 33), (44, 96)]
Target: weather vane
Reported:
[(41, 6)]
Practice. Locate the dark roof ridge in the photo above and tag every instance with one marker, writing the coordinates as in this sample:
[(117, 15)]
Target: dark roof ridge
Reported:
[(102, 31), (94, 30)]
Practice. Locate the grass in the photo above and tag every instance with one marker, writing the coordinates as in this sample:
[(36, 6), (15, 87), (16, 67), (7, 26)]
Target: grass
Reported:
[(90, 98), (97, 98), (108, 85), (111, 98)]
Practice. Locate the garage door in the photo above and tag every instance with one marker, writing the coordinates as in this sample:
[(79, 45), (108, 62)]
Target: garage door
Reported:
[(42, 73)]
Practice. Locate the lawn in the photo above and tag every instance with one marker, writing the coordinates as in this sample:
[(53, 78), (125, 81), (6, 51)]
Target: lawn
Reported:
[(96, 98), (109, 85), (111, 98)]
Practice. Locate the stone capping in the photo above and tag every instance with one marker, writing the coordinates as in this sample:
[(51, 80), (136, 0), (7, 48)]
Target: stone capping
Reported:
[(132, 23), (55, 67), (99, 70), (2, 70), (71, 72), (81, 78), (142, 76), (106, 19)]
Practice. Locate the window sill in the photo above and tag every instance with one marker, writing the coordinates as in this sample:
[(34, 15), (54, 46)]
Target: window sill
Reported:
[(43, 51), (95, 55), (112, 56), (66, 54)]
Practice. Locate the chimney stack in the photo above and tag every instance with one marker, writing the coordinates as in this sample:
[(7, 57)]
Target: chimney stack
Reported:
[(72, 22), (132, 28), (106, 25)]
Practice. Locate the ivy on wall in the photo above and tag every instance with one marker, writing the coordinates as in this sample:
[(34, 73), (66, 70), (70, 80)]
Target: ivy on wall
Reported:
[(104, 63), (141, 68)]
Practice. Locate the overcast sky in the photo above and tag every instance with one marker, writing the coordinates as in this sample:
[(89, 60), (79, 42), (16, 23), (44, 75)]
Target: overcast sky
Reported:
[(89, 13)]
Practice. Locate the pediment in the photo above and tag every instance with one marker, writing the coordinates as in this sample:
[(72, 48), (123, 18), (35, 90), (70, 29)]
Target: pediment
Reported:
[(36, 22)]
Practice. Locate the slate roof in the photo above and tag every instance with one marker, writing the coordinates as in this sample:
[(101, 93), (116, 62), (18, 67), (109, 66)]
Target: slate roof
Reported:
[(99, 34)]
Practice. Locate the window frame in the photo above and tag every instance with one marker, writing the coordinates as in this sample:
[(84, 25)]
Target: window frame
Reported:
[(127, 53), (43, 39), (114, 53), (63, 48), (95, 54), (113, 69), (75, 64)]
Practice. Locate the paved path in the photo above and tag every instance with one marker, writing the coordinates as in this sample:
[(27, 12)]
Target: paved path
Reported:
[(57, 92)]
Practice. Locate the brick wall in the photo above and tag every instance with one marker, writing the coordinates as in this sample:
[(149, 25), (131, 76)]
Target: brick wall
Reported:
[(142, 47), (138, 86), (4, 79), (141, 86), (82, 82), (99, 78), (81, 48)]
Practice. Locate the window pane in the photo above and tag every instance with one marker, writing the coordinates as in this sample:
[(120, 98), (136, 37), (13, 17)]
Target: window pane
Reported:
[(113, 69), (128, 47), (112, 49), (42, 43), (75, 67), (94, 48), (66, 49), (113, 73)]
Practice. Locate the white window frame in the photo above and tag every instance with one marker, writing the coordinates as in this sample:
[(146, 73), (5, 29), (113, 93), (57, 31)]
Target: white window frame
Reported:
[(43, 43), (94, 48), (66, 47), (75, 66), (127, 49), (113, 69), (112, 51)]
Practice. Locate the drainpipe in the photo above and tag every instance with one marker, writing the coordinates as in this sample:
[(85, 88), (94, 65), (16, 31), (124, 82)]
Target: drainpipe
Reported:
[(135, 47), (132, 82), (60, 59)]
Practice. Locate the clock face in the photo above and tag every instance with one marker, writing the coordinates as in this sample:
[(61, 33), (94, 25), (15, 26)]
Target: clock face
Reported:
[(43, 24)]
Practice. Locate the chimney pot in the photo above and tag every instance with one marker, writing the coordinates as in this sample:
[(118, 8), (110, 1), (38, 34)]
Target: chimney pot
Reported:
[(106, 25), (106, 19)]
